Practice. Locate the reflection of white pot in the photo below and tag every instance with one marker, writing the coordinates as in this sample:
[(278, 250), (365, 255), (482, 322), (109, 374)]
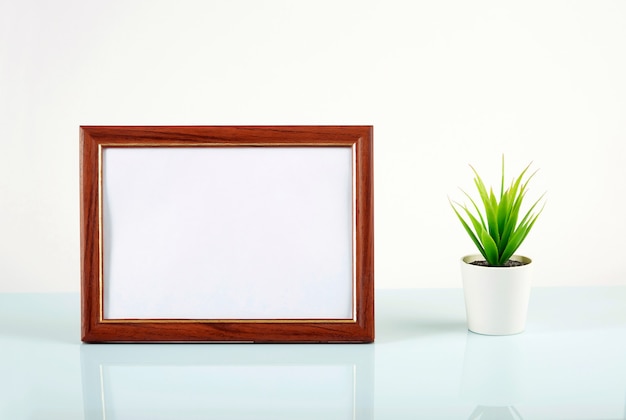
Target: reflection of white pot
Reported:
[(493, 371), (496, 298)]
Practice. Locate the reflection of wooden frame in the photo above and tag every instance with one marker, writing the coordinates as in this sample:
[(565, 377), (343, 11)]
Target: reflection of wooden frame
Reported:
[(264, 384), (138, 287)]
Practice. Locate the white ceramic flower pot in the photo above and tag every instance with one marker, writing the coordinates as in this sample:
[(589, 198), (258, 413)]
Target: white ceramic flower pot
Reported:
[(496, 298)]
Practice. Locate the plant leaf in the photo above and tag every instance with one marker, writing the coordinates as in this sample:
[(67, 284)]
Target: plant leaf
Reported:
[(491, 250), (519, 235), (482, 220), (492, 217), (469, 231), (490, 205)]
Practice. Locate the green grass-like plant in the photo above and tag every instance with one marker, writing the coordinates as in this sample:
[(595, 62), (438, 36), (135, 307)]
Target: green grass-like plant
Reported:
[(496, 231)]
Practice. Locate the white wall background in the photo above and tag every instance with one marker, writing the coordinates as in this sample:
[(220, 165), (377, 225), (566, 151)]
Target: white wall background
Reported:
[(444, 83)]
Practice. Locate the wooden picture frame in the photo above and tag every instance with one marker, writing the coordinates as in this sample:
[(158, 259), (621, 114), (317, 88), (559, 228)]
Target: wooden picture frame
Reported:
[(227, 234)]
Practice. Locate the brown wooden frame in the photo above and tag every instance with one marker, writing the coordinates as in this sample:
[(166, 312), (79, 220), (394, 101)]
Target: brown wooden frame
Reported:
[(93, 139)]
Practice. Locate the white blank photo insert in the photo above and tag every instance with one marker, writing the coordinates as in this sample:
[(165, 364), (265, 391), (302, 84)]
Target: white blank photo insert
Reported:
[(227, 232)]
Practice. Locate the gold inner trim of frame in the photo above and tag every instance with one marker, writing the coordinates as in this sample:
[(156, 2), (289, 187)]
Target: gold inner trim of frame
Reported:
[(104, 320), (186, 144), (225, 321), (100, 235), (354, 250)]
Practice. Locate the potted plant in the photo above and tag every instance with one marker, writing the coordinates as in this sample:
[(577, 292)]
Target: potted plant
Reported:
[(497, 282)]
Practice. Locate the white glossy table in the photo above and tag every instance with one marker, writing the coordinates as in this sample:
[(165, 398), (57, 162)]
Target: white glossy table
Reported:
[(569, 364)]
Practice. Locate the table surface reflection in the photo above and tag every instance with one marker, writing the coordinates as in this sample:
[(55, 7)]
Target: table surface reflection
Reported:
[(569, 364)]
